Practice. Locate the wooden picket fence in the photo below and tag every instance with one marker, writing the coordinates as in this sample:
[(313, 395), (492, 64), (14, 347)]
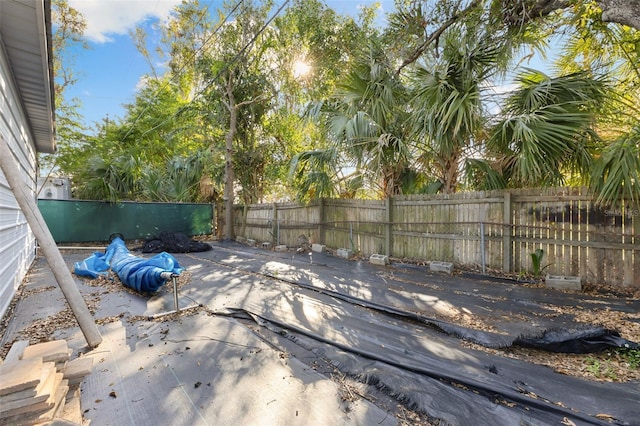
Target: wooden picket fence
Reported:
[(493, 230)]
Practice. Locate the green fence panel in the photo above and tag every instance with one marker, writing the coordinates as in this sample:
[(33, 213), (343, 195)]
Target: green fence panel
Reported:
[(84, 221)]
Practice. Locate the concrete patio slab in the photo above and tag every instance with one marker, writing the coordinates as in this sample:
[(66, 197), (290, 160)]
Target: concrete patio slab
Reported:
[(268, 343)]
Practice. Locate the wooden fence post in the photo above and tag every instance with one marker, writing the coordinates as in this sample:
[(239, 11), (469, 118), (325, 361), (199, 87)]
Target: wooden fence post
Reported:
[(321, 221), (506, 233), (635, 225), (275, 228), (388, 226), (213, 218)]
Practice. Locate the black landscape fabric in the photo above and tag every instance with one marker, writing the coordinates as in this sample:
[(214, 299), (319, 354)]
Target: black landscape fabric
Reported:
[(583, 339), (422, 361), (458, 385)]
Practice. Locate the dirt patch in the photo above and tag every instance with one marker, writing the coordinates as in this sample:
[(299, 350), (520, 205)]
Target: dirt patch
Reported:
[(110, 283), (614, 365)]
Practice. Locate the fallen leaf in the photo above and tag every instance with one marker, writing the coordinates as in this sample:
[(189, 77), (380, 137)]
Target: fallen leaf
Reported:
[(604, 416)]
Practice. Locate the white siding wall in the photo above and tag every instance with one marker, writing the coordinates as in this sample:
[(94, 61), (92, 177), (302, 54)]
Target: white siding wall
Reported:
[(17, 243)]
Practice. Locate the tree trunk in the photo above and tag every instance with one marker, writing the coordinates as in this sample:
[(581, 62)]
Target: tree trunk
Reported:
[(626, 12), (228, 166), (450, 171)]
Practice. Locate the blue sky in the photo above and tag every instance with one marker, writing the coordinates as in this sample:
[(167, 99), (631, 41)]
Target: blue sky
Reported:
[(110, 70), (109, 73)]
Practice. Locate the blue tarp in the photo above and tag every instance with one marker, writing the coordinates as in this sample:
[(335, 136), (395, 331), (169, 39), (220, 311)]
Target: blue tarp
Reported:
[(144, 275)]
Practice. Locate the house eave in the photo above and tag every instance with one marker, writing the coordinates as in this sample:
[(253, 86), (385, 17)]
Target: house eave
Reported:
[(25, 31)]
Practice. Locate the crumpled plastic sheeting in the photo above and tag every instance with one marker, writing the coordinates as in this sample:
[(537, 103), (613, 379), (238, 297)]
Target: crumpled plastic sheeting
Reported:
[(173, 242), (588, 339), (94, 266), (579, 340), (143, 275), (585, 339)]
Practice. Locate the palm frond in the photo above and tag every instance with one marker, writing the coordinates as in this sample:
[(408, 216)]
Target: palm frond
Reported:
[(548, 127), (616, 176), (481, 175)]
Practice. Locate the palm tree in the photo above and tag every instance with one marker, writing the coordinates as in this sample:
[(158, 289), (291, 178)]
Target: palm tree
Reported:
[(546, 133), (315, 174), (599, 45), (447, 102), (177, 181), (110, 180), (365, 124)]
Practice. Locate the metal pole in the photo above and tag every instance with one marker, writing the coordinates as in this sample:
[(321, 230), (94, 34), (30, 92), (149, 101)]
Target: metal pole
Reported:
[(81, 248), (174, 279), (48, 246), (484, 267)]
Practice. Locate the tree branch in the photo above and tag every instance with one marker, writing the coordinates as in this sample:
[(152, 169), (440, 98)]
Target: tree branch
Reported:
[(253, 100), (520, 13), (626, 12), (436, 35)]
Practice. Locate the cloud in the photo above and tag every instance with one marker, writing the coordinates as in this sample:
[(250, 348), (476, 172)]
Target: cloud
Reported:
[(107, 18)]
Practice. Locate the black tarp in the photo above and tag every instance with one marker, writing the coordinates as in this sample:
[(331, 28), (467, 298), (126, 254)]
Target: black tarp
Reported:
[(579, 339), (173, 242)]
